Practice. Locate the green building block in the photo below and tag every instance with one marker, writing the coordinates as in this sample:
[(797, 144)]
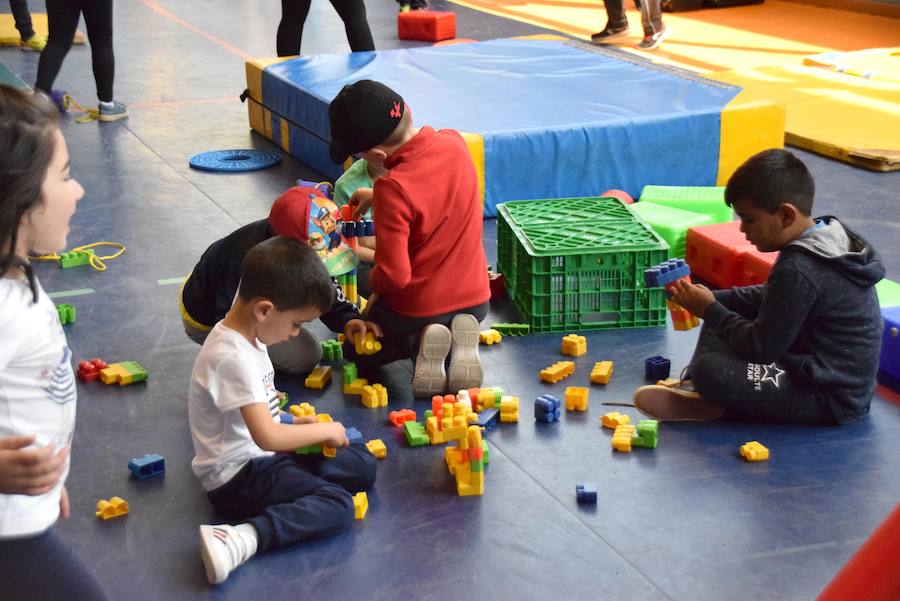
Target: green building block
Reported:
[(309, 450), (709, 200), (477, 465), (66, 313), (75, 258), (283, 399), (332, 350), (670, 223), (647, 434), (138, 373), (415, 434), (350, 373), (487, 452), (428, 413), (888, 293), (512, 329)]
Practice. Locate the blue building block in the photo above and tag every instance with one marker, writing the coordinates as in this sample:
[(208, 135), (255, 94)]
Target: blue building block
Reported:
[(488, 418), (657, 368), (666, 273), (586, 492), (353, 435), (547, 408), (147, 466)]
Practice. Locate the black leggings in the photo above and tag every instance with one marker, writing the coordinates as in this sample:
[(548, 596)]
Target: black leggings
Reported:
[(62, 20), (22, 18), (293, 16)]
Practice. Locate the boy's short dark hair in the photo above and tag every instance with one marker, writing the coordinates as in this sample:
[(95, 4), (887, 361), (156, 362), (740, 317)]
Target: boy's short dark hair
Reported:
[(288, 273), (770, 178)]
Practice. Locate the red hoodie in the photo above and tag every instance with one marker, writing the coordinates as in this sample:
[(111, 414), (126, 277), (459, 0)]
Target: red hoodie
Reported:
[(429, 258)]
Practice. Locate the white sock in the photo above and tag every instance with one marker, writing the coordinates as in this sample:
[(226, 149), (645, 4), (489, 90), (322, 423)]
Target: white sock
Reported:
[(249, 537), (108, 105)]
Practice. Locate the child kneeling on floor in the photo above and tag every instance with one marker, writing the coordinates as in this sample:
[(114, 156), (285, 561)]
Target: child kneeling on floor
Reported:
[(243, 448), (804, 346)]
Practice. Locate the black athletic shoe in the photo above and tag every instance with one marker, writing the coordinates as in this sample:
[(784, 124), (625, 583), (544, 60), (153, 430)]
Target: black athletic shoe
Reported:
[(610, 34)]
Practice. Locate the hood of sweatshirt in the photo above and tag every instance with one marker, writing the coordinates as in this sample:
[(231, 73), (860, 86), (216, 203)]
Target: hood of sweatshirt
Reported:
[(847, 252)]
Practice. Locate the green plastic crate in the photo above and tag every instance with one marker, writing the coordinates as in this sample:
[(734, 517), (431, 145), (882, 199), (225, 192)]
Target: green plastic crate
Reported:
[(670, 223), (709, 200), (578, 264)]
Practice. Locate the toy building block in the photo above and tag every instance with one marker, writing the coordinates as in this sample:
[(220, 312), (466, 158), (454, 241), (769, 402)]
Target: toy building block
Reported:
[(498, 288), (558, 371), (707, 200), (323, 417), (489, 418), (574, 345), (349, 373), (76, 258), (377, 448), (415, 434), (657, 368), (319, 377), (89, 371), (332, 350), (66, 313), (512, 329), (602, 372), (355, 387), (113, 508), (426, 25), (353, 435), (547, 408), (466, 460), (366, 345), (147, 466), (586, 492), (647, 434), (123, 373), (621, 439), (614, 419), (577, 398), (283, 398), (753, 451), (329, 452), (374, 396), (403, 415), (665, 275), (312, 449), (490, 337), (360, 505), (509, 409), (301, 410), (721, 255)]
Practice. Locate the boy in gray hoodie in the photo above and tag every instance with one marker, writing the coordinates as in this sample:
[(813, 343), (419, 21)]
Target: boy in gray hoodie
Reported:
[(804, 346)]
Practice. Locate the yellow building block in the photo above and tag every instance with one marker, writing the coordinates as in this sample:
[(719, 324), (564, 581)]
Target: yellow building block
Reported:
[(324, 417), (329, 452), (509, 409), (301, 410), (115, 373), (366, 345), (602, 372), (319, 377), (356, 387), (374, 396), (360, 505), (558, 371), (574, 345), (614, 420), (490, 337), (621, 439), (377, 447), (113, 508), (753, 451), (577, 398)]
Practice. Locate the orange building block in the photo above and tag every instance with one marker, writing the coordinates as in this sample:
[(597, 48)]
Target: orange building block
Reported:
[(403, 415)]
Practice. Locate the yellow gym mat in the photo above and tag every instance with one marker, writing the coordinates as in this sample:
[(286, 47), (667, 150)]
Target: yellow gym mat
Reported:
[(9, 35)]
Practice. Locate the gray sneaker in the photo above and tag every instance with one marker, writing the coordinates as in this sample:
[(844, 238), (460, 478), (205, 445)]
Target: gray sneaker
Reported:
[(465, 369), (652, 41), (430, 376), (116, 112)]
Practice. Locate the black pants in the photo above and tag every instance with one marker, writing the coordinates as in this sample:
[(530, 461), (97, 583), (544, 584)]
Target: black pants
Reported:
[(293, 16), (291, 498), (44, 567), (651, 14), (22, 18), (401, 334), (62, 21), (765, 392)]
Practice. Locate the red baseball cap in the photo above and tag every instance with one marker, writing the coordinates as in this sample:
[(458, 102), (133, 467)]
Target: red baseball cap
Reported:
[(289, 215)]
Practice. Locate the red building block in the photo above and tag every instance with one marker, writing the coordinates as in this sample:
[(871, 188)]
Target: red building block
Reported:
[(403, 415), (426, 25), (89, 371), (498, 287), (720, 255)]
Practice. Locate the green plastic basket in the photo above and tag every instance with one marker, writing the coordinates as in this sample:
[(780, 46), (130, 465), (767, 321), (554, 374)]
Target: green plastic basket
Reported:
[(578, 264)]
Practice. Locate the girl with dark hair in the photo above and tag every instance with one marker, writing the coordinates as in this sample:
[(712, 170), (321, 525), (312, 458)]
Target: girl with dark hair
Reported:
[(37, 386)]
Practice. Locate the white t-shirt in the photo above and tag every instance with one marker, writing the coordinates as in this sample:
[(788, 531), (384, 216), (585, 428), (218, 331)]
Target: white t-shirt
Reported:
[(229, 373), (37, 395)]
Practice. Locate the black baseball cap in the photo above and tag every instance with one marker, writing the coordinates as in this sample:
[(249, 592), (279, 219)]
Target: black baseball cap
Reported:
[(362, 116)]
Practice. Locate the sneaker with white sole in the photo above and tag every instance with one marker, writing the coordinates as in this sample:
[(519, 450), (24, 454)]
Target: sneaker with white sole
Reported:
[(112, 113), (610, 34), (225, 547), (465, 369), (653, 40), (35, 43), (675, 404), (430, 376)]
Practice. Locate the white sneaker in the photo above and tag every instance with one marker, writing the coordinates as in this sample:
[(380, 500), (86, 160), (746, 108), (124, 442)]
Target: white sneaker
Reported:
[(430, 377), (226, 547), (465, 369)]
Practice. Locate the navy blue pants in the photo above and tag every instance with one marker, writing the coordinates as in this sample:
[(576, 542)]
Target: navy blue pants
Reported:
[(43, 568), (291, 498)]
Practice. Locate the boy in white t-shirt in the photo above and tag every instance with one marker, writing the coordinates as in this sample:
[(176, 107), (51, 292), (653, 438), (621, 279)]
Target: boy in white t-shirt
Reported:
[(243, 447)]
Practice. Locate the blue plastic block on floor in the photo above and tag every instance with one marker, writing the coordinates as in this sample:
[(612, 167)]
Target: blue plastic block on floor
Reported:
[(586, 492), (666, 273), (147, 466), (488, 418), (353, 435), (547, 408), (657, 368)]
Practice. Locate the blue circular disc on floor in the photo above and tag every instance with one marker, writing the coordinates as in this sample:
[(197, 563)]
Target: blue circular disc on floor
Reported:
[(235, 160)]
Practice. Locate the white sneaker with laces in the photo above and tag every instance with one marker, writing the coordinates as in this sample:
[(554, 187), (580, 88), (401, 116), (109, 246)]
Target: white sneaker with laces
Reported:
[(225, 547)]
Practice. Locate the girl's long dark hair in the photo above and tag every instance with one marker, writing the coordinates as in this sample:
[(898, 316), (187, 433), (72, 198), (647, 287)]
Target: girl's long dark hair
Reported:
[(27, 126)]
